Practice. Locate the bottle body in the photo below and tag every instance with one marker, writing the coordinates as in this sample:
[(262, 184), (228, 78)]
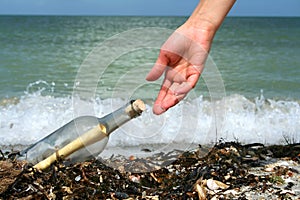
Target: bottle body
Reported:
[(61, 137), (91, 132)]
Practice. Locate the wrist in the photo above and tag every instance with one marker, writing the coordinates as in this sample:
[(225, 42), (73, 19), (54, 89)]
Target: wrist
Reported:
[(209, 14), (201, 31), (202, 23)]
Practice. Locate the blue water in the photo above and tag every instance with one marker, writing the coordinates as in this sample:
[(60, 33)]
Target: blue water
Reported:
[(258, 59)]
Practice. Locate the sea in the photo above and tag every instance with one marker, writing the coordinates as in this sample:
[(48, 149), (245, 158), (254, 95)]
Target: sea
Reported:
[(248, 93)]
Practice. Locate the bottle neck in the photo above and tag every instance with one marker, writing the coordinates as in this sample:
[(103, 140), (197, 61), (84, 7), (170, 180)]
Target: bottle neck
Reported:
[(119, 117)]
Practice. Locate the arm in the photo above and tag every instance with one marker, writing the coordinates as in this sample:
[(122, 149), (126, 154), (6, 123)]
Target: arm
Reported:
[(183, 55)]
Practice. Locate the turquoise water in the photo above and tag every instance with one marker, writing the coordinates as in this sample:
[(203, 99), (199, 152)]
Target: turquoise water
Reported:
[(260, 53), (251, 53), (40, 56)]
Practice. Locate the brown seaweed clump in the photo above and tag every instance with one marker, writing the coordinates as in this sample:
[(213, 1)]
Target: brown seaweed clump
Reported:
[(229, 171)]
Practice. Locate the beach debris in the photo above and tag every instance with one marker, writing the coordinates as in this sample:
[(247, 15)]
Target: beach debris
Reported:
[(199, 188), (229, 171), (135, 178), (78, 178), (215, 185)]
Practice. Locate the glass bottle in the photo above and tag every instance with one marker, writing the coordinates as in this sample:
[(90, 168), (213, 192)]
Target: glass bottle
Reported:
[(80, 139)]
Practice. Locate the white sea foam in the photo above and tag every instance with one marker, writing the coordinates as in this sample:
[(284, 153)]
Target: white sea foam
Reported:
[(195, 121)]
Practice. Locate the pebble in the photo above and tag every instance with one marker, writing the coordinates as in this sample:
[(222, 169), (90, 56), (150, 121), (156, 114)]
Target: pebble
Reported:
[(78, 178)]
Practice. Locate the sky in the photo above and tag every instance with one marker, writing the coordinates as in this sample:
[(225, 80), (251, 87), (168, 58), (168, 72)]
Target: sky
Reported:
[(143, 7)]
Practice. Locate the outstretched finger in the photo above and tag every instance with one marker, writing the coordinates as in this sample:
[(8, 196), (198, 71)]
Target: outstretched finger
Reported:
[(187, 86), (157, 107), (158, 68), (169, 98)]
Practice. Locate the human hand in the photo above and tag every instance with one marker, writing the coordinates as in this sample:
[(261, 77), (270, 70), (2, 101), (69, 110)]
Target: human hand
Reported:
[(182, 58)]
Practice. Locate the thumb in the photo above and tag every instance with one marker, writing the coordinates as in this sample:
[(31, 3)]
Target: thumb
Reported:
[(158, 68)]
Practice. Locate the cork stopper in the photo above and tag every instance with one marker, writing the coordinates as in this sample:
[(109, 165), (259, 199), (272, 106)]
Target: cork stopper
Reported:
[(135, 108)]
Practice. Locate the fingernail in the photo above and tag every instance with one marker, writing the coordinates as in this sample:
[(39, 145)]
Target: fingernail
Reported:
[(157, 109)]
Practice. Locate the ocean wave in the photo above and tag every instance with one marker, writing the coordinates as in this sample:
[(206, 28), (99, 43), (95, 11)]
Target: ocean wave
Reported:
[(193, 121)]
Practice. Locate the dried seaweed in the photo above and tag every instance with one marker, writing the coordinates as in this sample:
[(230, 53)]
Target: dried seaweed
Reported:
[(229, 171)]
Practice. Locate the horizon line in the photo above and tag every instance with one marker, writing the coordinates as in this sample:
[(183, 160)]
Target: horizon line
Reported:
[(98, 15)]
